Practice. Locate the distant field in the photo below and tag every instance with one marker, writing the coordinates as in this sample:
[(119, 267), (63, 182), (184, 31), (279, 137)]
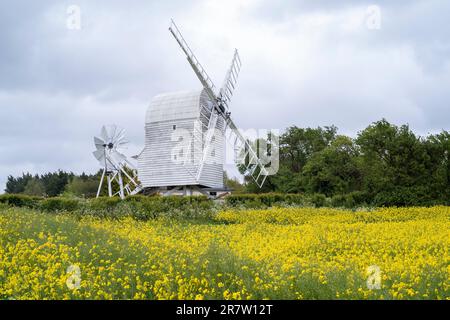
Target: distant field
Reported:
[(296, 253)]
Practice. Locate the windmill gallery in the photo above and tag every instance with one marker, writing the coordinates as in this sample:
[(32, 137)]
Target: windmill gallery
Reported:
[(201, 121)]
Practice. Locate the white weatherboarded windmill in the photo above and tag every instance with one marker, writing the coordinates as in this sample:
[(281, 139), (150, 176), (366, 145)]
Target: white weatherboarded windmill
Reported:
[(185, 137)]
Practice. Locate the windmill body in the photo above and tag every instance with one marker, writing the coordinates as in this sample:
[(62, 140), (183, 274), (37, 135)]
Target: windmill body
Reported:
[(175, 127)]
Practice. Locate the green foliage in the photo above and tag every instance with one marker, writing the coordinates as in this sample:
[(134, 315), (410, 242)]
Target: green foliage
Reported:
[(334, 169), (145, 208), (392, 156), (104, 203), (17, 185), (296, 146), (55, 182), (384, 165), (83, 186), (266, 200), (245, 200), (350, 200), (232, 183), (19, 200), (402, 196), (59, 204), (34, 187), (318, 200)]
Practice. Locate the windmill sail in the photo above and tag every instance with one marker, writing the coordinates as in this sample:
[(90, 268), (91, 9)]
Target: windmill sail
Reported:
[(226, 92), (247, 156), (254, 167), (201, 73), (114, 163)]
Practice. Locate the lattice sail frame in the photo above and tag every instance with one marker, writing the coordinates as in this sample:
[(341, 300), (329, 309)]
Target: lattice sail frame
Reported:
[(114, 163), (254, 166)]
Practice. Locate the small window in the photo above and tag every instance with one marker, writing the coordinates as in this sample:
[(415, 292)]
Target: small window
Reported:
[(174, 127)]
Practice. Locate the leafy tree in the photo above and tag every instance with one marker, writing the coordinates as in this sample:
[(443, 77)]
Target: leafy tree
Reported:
[(83, 185), (297, 145), (34, 187), (55, 182), (232, 183), (438, 150), (391, 156), (333, 170), (265, 149), (17, 185)]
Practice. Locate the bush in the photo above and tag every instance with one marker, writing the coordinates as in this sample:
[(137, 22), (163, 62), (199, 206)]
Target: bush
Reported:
[(175, 206), (20, 200), (59, 204), (405, 196), (338, 201), (265, 200), (351, 200), (145, 208), (104, 203), (360, 198), (246, 200), (318, 200)]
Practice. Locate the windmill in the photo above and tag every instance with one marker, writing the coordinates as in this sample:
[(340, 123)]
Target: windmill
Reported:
[(192, 160), (116, 167)]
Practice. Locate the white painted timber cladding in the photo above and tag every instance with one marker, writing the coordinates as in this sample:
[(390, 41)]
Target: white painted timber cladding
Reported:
[(156, 166)]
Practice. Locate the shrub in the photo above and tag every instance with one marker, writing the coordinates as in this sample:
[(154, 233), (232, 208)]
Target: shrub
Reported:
[(176, 206), (318, 200), (59, 204), (405, 196), (338, 201), (145, 207), (351, 200), (361, 198), (296, 199), (20, 200), (265, 200), (104, 203)]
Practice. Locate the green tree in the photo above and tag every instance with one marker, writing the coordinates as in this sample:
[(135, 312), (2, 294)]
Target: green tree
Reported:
[(17, 185), (83, 185), (55, 182), (438, 150), (333, 170), (34, 187), (391, 156), (297, 145), (232, 183)]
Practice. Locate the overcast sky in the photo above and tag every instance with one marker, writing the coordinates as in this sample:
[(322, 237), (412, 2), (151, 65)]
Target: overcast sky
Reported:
[(305, 63)]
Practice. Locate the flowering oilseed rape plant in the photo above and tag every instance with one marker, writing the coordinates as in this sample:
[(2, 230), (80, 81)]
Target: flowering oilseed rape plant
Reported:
[(279, 253)]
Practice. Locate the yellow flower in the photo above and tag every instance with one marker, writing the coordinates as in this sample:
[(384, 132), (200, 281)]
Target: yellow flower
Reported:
[(278, 253)]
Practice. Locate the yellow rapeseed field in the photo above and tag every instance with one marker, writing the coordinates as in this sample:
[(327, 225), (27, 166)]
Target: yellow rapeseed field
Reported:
[(295, 253)]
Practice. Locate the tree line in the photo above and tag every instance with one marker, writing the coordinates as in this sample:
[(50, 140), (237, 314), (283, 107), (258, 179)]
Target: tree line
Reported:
[(384, 164), (54, 184)]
